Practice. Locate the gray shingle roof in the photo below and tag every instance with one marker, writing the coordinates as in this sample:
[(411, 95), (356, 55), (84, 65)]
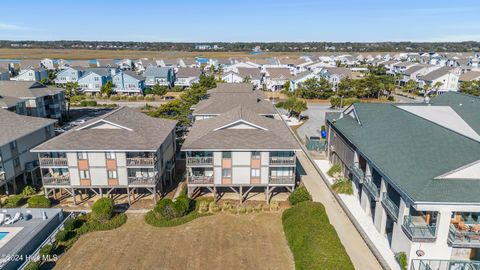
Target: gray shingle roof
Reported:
[(24, 90), (14, 126), (470, 76), (253, 73), (99, 71), (133, 74), (188, 72), (138, 132), (436, 74), (219, 103), (270, 133), (156, 71), (412, 151)]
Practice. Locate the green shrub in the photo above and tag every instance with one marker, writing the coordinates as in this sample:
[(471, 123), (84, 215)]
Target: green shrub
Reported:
[(14, 201), (274, 206), (390, 98), (140, 98), (39, 201), (343, 186), (28, 191), (299, 195), (335, 169), (88, 103), (72, 224), (114, 98), (123, 97), (402, 260), (185, 201), (64, 235), (132, 98), (46, 250), (166, 209), (151, 219), (102, 210), (213, 207), (94, 225), (32, 265), (336, 101), (150, 98), (323, 128), (312, 239), (203, 207), (180, 208)]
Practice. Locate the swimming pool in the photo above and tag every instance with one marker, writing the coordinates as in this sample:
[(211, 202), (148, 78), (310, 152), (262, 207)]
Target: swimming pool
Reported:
[(3, 234)]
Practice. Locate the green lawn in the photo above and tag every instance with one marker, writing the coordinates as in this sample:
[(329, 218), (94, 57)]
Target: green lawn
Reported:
[(312, 239)]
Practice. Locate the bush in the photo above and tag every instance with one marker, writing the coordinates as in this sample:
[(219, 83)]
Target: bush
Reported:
[(184, 201), (336, 101), (140, 98), (391, 98), (64, 235), (203, 207), (151, 218), (94, 225), (72, 224), (88, 103), (39, 201), (402, 260), (335, 169), (114, 98), (32, 266), (14, 201), (213, 207), (46, 250), (123, 97), (150, 98), (132, 98), (28, 191), (102, 209), (312, 239), (343, 186), (299, 195)]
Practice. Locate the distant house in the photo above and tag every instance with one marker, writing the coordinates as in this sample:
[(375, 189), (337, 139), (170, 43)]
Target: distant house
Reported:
[(29, 64), (106, 63), (31, 75), (159, 75), (93, 79), (448, 78), (416, 71), (185, 77), (187, 62), (275, 78), (68, 74), (300, 78), (336, 74), (253, 74), (128, 82), (48, 64), (125, 64), (142, 64)]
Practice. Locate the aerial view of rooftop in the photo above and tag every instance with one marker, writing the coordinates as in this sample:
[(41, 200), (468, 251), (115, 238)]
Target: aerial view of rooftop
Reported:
[(306, 135)]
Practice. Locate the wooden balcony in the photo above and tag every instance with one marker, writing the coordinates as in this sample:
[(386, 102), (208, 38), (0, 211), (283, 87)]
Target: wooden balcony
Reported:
[(282, 180), (59, 180), (200, 179), (140, 162), (142, 181), (282, 160), (53, 162), (199, 161)]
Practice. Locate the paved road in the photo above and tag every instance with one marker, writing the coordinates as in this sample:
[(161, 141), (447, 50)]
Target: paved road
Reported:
[(361, 256), (403, 99), (316, 115)]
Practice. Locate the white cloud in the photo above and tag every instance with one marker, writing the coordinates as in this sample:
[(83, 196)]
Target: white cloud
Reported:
[(6, 26)]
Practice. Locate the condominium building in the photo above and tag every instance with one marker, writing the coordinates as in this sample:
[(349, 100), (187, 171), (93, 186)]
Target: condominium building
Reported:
[(124, 150), (39, 100), (240, 151), (415, 170), (19, 134)]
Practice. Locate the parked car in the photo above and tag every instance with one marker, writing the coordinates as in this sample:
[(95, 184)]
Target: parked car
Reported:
[(78, 122), (59, 131)]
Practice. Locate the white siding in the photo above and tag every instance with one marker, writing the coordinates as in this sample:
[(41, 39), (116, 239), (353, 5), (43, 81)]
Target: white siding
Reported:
[(241, 175), (241, 158)]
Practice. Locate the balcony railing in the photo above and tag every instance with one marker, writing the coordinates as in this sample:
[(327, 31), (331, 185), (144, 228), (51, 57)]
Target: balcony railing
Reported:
[(282, 160), (282, 180), (444, 265), (419, 232), (191, 161), (390, 206), (371, 187), (139, 162), (142, 180), (357, 173), (464, 239), (200, 179), (59, 180), (53, 162)]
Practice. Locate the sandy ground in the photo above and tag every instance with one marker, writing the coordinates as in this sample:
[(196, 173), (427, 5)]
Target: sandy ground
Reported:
[(221, 241)]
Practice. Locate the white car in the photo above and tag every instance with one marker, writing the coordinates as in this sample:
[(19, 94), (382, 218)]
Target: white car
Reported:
[(59, 130), (78, 122)]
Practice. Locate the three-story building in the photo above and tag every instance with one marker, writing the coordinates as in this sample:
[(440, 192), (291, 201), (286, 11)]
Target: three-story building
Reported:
[(124, 150)]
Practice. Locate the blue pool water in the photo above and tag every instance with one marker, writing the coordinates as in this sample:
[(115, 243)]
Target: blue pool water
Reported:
[(3, 234)]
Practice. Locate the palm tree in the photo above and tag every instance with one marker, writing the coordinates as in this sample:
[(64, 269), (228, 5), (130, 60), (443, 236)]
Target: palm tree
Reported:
[(70, 91), (437, 86)]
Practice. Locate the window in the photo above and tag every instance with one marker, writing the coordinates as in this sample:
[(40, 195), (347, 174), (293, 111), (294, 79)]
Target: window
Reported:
[(82, 155), (255, 155), (16, 162), (227, 173), (110, 155), (96, 79), (13, 145), (255, 173), (226, 154), (84, 175), (112, 174)]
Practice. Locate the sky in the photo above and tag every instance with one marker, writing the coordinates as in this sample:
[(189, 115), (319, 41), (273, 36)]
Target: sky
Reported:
[(242, 20)]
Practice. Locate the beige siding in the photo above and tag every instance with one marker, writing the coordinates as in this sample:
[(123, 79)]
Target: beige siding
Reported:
[(241, 175), (74, 177), (98, 176), (241, 158)]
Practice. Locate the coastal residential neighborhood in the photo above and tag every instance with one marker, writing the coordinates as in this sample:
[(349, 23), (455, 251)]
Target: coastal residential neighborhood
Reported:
[(306, 135)]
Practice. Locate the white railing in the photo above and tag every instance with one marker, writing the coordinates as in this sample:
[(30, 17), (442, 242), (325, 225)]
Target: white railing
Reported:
[(53, 162), (61, 180), (282, 179), (140, 161), (200, 161), (200, 179), (282, 160), (142, 181)]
